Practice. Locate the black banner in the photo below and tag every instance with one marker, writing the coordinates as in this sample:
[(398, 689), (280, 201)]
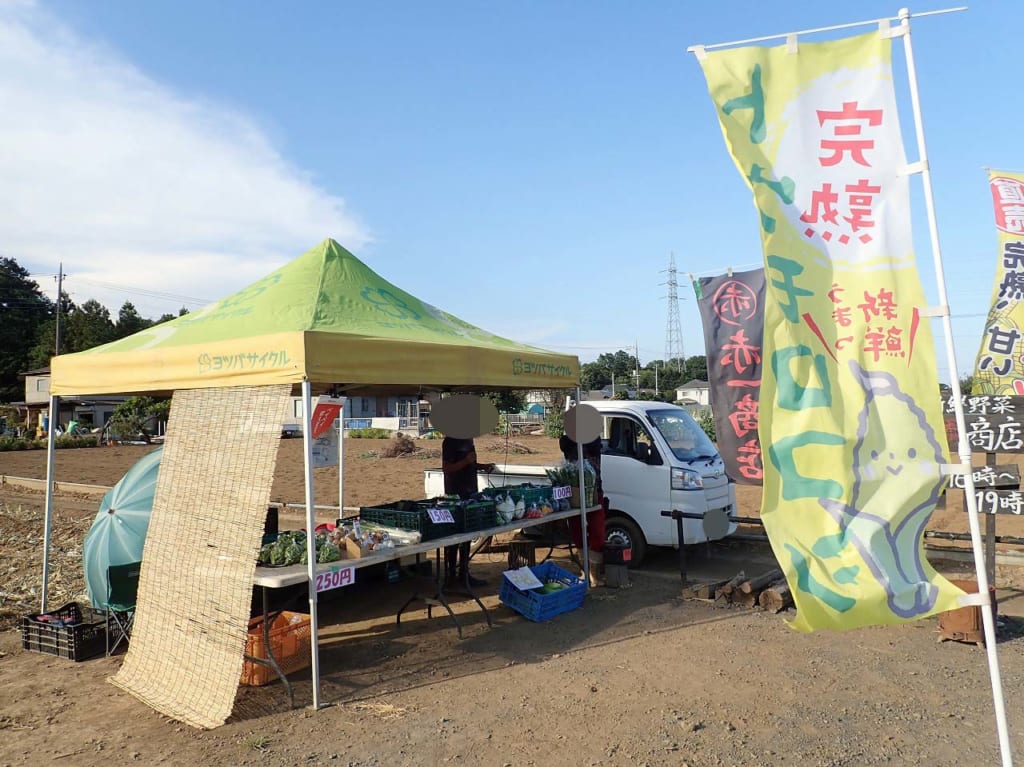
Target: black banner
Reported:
[(995, 423), (732, 311)]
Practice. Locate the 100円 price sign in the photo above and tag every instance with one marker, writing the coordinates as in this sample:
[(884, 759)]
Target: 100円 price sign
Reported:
[(336, 577)]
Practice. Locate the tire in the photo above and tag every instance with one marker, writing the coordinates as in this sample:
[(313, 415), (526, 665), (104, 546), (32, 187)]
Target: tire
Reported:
[(479, 544), (625, 532)]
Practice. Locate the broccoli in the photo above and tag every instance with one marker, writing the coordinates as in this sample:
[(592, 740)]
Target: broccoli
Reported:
[(293, 553), (277, 553), (328, 553), (266, 554)]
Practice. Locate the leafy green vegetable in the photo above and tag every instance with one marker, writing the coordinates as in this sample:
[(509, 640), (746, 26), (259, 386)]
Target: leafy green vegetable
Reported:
[(328, 553)]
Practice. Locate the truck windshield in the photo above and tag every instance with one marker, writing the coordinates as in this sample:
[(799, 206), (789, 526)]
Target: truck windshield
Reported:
[(685, 438)]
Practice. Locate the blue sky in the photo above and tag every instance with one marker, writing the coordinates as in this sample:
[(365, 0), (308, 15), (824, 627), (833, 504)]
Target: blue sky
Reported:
[(526, 166)]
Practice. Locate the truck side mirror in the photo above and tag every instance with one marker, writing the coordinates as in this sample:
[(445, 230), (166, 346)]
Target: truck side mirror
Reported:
[(643, 452)]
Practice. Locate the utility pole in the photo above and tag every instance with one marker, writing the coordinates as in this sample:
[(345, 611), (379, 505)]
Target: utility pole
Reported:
[(657, 391), (60, 284), (636, 359)]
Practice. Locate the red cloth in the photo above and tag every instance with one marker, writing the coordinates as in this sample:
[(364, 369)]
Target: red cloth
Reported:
[(595, 528)]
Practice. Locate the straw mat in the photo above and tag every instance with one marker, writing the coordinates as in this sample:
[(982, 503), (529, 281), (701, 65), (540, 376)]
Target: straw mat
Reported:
[(186, 649)]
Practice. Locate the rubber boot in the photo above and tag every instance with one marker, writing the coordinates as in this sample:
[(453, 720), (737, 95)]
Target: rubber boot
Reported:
[(596, 573)]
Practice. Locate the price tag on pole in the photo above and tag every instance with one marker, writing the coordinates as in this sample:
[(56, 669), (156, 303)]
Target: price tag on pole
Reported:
[(335, 578)]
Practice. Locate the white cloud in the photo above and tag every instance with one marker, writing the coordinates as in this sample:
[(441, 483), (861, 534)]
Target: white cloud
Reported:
[(128, 182)]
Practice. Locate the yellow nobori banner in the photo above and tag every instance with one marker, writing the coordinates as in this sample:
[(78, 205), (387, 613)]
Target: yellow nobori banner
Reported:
[(850, 419), (1000, 365)]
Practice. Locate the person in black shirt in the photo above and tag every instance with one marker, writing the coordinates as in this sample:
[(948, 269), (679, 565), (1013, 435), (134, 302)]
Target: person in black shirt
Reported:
[(458, 461)]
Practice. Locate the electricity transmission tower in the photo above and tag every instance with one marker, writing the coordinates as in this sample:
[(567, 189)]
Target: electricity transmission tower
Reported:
[(673, 331)]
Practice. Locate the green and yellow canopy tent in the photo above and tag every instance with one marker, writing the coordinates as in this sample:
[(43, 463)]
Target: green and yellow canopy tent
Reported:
[(325, 318), (323, 322)]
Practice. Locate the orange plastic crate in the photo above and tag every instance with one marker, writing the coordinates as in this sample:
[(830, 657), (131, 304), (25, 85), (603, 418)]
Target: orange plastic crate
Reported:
[(289, 642)]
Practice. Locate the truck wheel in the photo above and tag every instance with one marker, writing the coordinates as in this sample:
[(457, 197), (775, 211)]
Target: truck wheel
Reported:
[(621, 531)]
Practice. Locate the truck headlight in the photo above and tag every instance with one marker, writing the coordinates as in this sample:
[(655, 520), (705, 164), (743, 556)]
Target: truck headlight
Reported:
[(684, 479)]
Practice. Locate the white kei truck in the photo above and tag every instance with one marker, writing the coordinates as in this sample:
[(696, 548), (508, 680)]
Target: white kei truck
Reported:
[(654, 458)]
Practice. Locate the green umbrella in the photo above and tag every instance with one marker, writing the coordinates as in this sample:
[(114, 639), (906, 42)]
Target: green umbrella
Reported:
[(118, 533)]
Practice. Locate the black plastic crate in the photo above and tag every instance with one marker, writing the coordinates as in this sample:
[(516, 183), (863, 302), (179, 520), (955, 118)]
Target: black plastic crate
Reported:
[(66, 632)]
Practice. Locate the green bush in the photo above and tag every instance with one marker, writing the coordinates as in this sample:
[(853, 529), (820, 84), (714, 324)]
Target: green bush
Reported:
[(131, 416), (706, 421), (554, 423), (368, 433), (18, 443), (66, 441)]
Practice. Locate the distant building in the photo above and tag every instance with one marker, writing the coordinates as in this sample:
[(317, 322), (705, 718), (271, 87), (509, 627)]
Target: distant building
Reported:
[(404, 413), (694, 392), (607, 392), (91, 413)]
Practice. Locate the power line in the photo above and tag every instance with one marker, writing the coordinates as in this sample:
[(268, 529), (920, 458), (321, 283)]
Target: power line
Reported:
[(130, 289), (145, 292)]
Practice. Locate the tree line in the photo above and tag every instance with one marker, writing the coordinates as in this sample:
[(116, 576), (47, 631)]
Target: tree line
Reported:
[(28, 326), (28, 339), (658, 379)]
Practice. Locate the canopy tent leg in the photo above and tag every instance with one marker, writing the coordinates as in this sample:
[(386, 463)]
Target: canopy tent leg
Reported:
[(51, 431), (307, 444), (341, 459)]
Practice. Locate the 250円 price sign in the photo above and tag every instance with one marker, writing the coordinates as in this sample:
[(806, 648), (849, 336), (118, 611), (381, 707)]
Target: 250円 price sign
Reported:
[(335, 578)]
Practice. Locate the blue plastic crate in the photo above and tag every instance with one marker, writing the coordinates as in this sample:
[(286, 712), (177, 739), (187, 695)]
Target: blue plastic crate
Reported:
[(536, 606)]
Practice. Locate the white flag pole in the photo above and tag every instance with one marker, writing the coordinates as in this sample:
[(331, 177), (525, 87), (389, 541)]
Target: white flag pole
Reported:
[(963, 447)]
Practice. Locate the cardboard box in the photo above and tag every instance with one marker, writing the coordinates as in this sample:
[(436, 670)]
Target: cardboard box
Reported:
[(354, 551)]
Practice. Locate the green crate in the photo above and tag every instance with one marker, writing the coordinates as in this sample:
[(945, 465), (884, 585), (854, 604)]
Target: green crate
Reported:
[(415, 519), (477, 515), (469, 516), (527, 493)]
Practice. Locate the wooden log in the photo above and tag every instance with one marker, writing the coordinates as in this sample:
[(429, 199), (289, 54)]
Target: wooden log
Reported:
[(759, 583), (776, 597), (745, 598), (724, 592), (706, 590)]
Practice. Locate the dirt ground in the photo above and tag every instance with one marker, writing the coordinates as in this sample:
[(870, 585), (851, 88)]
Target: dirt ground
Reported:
[(637, 676)]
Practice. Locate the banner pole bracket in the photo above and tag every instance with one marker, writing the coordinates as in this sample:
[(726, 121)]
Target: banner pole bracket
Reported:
[(975, 599), (913, 167), (886, 30), (934, 311)]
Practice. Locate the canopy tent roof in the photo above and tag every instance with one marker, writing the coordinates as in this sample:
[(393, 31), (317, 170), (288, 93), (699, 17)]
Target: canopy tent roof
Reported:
[(325, 317)]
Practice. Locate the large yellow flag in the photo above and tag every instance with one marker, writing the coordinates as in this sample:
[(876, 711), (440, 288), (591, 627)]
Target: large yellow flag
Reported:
[(850, 419), (1000, 365)]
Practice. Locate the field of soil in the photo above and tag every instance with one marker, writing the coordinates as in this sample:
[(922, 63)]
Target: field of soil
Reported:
[(637, 676)]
